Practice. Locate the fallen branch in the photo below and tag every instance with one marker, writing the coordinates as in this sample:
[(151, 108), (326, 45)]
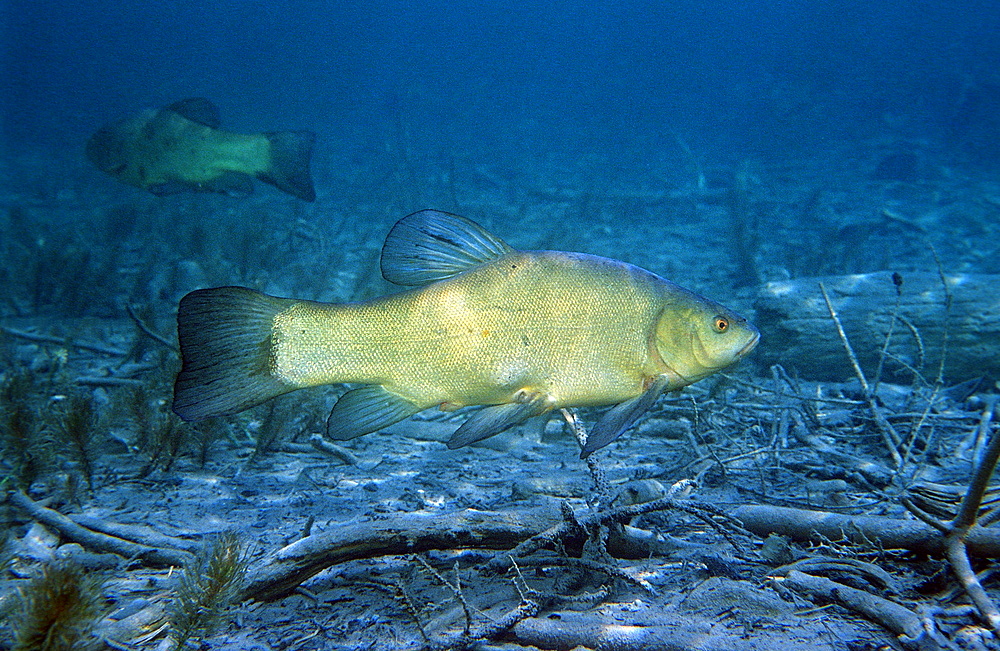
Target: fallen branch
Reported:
[(960, 529), (96, 541), (900, 620), (280, 572), (515, 532), (571, 630), (138, 533), (887, 533)]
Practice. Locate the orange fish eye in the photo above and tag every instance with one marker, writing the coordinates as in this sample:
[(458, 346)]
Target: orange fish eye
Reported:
[(721, 324)]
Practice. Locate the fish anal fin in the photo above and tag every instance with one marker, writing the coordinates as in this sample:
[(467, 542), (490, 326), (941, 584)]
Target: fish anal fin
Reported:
[(622, 416), (490, 421), (431, 245), (367, 409), (198, 109), (233, 184)]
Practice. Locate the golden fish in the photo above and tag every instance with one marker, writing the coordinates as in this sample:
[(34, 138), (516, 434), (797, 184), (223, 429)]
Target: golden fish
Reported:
[(522, 332), (180, 148)]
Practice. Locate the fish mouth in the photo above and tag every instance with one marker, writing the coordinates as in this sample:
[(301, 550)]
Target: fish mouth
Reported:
[(750, 345)]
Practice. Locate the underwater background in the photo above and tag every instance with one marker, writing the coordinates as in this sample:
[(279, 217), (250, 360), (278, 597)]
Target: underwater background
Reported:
[(741, 150)]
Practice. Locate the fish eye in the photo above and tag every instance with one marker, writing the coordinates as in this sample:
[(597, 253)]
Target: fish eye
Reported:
[(721, 324)]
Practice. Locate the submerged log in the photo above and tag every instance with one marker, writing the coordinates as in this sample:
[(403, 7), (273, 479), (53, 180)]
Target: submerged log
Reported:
[(798, 333)]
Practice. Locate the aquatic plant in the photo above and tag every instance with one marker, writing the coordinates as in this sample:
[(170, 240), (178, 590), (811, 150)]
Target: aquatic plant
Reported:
[(27, 451), (209, 585), (272, 429), (158, 434), (203, 435), (76, 426), (744, 234), (56, 610)]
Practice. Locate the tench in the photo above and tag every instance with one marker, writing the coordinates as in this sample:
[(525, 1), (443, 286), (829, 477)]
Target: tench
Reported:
[(181, 148), (521, 332)]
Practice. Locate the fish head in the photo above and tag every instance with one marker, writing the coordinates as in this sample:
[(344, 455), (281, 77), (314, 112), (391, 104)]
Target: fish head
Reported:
[(697, 337)]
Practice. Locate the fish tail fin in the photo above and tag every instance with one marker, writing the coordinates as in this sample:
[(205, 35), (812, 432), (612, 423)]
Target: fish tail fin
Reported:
[(226, 352), (289, 166)]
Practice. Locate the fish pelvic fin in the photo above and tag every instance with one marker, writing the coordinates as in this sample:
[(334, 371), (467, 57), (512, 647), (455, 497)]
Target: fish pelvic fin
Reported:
[(367, 409), (490, 421), (431, 245), (619, 418), (226, 352), (288, 170)]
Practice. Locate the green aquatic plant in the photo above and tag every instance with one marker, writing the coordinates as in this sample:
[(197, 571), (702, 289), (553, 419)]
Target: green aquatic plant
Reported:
[(209, 585), (56, 610)]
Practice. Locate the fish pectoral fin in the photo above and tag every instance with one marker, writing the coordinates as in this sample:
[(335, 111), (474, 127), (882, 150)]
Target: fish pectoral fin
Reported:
[(619, 418), (490, 421), (431, 245), (365, 410)]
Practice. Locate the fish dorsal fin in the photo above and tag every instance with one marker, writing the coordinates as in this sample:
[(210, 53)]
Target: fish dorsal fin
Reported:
[(431, 245), (198, 109)]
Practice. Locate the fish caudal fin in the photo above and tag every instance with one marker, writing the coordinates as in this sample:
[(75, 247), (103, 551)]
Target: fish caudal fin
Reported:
[(289, 167), (226, 352)]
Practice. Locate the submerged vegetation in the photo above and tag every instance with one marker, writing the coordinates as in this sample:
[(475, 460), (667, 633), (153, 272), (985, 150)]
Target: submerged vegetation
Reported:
[(208, 586), (56, 610)]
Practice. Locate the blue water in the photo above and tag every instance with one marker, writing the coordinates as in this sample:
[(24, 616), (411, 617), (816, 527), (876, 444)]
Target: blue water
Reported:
[(604, 77)]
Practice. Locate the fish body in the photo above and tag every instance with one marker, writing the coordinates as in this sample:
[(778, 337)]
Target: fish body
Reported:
[(520, 332), (181, 148)]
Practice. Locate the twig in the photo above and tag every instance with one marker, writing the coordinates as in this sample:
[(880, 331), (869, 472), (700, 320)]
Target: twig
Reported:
[(889, 435), (897, 280), (146, 330), (964, 521), (456, 589), (62, 341), (326, 447), (591, 566), (108, 381)]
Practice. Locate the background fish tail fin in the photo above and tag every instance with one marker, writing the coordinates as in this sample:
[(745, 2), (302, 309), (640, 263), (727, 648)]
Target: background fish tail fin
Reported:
[(225, 338), (289, 168)]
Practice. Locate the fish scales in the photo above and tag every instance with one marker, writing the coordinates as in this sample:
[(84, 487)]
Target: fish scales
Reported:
[(575, 327)]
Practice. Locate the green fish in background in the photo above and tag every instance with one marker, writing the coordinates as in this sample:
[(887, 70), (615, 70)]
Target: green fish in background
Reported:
[(181, 148), (520, 332)]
